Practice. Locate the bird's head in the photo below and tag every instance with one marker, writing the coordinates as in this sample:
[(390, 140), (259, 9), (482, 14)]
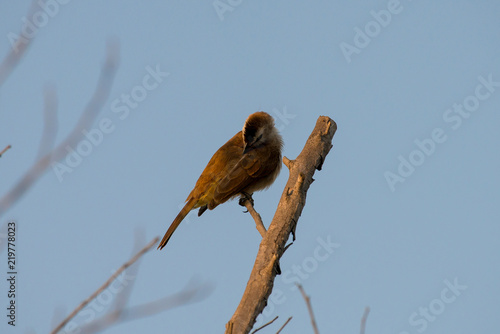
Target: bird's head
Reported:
[(258, 130)]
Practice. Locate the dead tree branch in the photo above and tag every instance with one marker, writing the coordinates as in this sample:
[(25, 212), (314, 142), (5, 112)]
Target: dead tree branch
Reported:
[(18, 49), (123, 296), (363, 320), (106, 284), (120, 312), (256, 216), (190, 294), (260, 283), (49, 121), (88, 116), (286, 323), (8, 147), (309, 308), (265, 325)]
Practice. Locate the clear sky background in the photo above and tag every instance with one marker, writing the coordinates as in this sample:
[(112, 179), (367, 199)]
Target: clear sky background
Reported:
[(422, 249)]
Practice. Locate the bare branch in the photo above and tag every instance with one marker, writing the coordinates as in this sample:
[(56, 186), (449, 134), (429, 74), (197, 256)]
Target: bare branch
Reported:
[(265, 325), (49, 121), (309, 308), (17, 50), (286, 323), (287, 162), (105, 285), (8, 147), (261, 281), (60, 312), (256, 216), (186, 296), (123, 296), (363, 320), (88, 116)]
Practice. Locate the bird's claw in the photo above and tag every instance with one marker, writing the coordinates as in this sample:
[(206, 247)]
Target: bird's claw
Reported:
[(245, 197)]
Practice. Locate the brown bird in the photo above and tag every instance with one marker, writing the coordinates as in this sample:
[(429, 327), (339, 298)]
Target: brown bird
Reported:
[(248, 162)]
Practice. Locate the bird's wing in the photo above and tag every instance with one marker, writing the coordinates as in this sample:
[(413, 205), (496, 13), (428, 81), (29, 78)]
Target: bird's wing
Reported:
[(218, 166), (247, 170)]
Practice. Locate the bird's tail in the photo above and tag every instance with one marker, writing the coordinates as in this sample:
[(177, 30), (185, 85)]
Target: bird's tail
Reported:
[(185, 210)]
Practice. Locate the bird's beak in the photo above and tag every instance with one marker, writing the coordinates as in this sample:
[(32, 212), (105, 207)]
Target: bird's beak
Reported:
[(248, 144), (246, 148)]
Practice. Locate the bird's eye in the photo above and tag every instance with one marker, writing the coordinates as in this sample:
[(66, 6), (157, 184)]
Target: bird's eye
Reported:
[(258, 138)]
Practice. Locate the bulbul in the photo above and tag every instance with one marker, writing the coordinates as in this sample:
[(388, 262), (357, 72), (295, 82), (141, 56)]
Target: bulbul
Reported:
[(248, 162)]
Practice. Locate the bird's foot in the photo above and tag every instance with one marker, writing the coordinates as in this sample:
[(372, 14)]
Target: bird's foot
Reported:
[(245, 197)]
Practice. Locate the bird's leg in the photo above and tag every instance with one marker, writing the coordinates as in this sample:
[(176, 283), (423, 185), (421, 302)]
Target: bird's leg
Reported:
[(246, 200)]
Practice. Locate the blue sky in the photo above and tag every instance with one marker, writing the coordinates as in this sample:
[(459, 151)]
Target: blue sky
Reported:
[(403, 217)]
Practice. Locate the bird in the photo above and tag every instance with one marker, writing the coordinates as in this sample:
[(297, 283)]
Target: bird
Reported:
[(250, 161)]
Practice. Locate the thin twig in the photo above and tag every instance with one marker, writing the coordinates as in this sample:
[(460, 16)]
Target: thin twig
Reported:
[(309, 307), (265, 325), (287, 162), (106, 284), (123, 296), (5, 150), (88, 116), (186, 296), (60, 312), (17, 49), (363, 320), (255, 215), (49, 132), (286, 323)]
